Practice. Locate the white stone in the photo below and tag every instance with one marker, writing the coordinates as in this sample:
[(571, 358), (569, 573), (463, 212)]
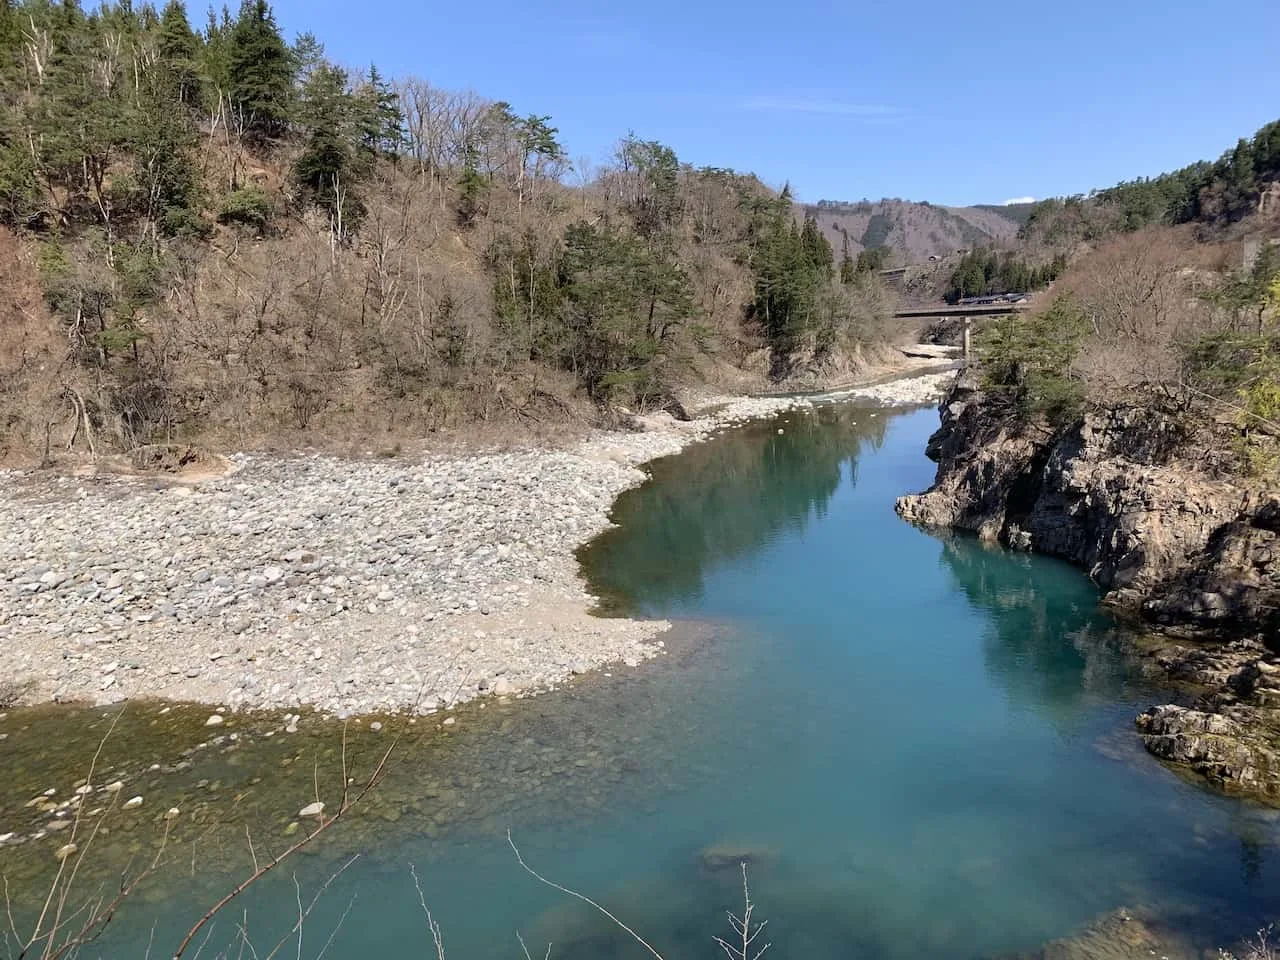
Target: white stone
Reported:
[(133, 803), (215, 720), (312, 809)]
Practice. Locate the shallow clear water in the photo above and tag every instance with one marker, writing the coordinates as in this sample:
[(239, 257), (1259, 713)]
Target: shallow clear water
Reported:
[(926, 744)]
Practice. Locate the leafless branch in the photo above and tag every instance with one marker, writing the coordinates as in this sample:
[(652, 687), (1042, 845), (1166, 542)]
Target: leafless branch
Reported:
[(746, 932), (325, 823), (431, 922), (305, 911), (585, 899)]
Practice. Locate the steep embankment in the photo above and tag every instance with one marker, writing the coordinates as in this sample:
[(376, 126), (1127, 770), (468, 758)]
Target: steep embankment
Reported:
[(1192, 552)]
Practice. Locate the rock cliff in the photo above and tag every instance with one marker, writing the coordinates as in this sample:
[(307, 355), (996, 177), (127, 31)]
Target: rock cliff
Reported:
[(1167, 533)]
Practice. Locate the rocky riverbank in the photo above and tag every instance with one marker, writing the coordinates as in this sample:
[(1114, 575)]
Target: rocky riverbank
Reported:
[(1171, 539), (351, 586)]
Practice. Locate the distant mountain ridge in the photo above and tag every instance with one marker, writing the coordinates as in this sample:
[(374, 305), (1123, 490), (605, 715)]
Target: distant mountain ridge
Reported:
[(914, 231)]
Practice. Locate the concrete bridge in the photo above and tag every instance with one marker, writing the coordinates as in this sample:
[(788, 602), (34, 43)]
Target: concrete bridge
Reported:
[(967, 313), (973, 310)]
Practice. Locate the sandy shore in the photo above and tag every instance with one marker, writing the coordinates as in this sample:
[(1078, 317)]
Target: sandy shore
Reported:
[(350, 586)]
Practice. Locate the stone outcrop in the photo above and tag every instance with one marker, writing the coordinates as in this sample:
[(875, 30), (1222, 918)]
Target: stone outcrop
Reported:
[(1166, 532), (1231, 737)]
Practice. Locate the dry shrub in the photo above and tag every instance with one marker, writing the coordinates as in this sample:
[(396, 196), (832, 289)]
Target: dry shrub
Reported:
[(35, 365), (1143, 295), (286, 332)]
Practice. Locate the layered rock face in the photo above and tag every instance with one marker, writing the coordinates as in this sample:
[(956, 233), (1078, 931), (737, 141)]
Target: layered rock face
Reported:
[(1164, 531)]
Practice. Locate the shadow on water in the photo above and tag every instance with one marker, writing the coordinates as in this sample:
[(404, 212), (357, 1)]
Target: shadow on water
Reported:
[(924, 744)]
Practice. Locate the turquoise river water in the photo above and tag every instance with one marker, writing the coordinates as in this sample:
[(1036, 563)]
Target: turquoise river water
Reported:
[(925, 745)]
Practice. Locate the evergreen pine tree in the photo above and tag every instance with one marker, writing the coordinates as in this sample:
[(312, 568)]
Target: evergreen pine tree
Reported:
[(308, 57), (325, 169), (10, 45), (471, 191), (80, 115), (1266, 151), (379, 122), (20, 200), (1241, 181), (179, 53), (260, 70), (817, 249), (214, 69), (847, 269)]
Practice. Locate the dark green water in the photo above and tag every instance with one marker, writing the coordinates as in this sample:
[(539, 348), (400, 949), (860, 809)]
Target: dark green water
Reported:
[(928, 745)]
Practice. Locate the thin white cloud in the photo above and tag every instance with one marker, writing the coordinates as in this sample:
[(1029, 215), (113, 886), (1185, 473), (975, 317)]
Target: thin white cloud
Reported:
[(1012, 201), (783, 104)]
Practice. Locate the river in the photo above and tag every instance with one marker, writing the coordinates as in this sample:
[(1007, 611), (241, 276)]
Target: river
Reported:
[(924, 744)]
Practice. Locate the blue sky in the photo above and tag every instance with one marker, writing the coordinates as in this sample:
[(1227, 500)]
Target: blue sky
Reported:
[(949, 102)]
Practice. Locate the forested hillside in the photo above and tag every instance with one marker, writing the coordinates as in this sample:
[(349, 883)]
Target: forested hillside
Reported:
[(1170, 304), (213, 233), (912, 232), (1212, 194)]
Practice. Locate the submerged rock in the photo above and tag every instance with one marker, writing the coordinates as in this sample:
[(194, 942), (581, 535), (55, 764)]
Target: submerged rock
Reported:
[(731, 856), (1120, 935)]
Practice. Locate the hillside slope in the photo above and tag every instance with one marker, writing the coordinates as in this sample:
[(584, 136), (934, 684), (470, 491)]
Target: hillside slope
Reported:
[(913, 231), (213, 237), (1242, 182)]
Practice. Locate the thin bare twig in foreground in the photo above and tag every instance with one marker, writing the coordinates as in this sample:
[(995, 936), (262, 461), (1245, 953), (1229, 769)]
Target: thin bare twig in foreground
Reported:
[(70, 929), (304, 912), (585, 899), (525, 949), (333, 934), (431, 921), (348, 801), (58, 889), (325, 823), (742, 927)]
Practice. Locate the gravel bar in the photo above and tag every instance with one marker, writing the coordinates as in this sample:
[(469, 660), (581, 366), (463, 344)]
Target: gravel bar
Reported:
[(347, 586)]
